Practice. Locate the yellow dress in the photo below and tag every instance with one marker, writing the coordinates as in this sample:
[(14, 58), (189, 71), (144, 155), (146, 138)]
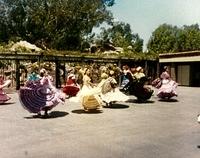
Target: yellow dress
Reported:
[(88, 96)]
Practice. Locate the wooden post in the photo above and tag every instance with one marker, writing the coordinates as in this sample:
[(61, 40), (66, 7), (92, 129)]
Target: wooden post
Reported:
[(12, 69), (17, 74), (57, 74), (40, 59), (158, 69), (146, 68), (119, 65), (64, 72)]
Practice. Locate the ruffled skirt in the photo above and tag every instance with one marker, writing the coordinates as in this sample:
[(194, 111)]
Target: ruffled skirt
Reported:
[(88, 97), (71, 90), (36, 97), (3, 97), (114, 96), (167, 89)]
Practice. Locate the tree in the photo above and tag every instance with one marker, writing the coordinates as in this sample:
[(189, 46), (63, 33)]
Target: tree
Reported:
[(167, 38), (122, 36), (192, 38), (61, 24), (163, 39)]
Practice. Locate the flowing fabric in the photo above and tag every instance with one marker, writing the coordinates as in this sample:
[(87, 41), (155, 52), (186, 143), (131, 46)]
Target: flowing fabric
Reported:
[(157, 83), (40, 95), (138, 88), (84, 91), (91, 102), (88, 96), (166, 86), (114, 96), (111, 93), (71, 88), (106, 91), (167, 89), (3, 96)]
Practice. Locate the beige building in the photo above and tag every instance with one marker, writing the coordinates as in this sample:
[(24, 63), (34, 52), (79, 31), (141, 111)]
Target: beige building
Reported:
[(184, 67)]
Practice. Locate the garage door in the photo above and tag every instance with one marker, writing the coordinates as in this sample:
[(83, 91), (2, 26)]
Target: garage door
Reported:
[(184, 75)]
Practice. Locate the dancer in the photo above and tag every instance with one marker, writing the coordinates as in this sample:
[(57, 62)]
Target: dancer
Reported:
[(71, 88), (3, 96), (98, 89), (139, 73), (87, 84), (125, 70), (137, 87), (34, 76), (110, 92), (167, 87), (78, 76), (87, 95), (40, 95)]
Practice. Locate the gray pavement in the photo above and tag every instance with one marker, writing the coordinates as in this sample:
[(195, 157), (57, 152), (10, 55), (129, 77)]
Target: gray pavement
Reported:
[(156, 129)]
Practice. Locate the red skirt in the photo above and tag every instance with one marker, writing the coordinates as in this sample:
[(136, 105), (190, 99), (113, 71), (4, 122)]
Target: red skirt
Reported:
[(71, 90)]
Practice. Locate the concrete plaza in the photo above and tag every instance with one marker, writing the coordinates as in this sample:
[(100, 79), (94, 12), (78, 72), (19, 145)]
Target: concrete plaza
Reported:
[(156, 129)]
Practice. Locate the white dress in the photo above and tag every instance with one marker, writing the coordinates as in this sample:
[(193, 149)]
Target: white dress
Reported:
[(84, 90), (114, 95)]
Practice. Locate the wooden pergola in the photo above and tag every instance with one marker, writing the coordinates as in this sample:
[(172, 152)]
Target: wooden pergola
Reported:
[(58, 59)]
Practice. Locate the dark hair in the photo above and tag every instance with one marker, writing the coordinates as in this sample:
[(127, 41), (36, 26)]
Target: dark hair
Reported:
[(165, 68), (129, 76), (42, 74), (86, 71)]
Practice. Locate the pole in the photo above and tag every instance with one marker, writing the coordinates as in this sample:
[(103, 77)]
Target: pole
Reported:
[(17, 74)]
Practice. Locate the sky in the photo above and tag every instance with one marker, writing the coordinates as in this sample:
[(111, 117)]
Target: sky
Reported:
[(145, 16)]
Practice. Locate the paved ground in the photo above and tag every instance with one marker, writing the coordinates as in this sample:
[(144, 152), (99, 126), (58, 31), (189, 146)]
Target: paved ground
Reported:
[(155, 129)]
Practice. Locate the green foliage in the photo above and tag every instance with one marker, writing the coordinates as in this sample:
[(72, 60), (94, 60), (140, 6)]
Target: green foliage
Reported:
[(139, 55), (192, 38), (167, 38), (122, 36), (60, 24)]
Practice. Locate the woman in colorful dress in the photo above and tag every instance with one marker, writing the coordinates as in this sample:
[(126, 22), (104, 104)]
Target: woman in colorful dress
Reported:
[(87, 85), (139, 73), (39, 94), (3, 96), (110, 91), (88, 95), (71, 88), (125, 70), (137, 85), (168, 86)]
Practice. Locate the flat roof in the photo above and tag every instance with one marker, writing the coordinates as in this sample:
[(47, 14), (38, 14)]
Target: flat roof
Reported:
[(192, 56)]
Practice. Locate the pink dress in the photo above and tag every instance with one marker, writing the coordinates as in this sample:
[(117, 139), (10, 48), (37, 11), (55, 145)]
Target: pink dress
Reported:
[(3, 96), (40, 95), (168, 86)]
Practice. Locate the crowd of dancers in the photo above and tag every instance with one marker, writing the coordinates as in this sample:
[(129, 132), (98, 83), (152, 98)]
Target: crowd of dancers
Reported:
[(111, 84)]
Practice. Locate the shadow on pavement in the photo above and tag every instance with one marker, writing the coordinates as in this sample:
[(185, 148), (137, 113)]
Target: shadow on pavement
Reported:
[(53, 114), (81, 111), (198, 146), (117, 106), (168, 100), (140, 101), (7, 103)]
